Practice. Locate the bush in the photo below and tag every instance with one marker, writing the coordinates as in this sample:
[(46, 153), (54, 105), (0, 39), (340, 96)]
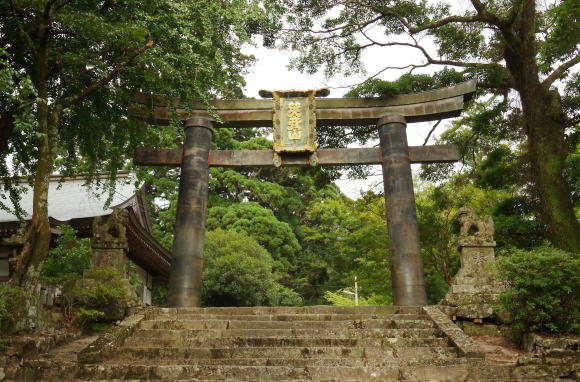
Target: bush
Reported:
[(13, 307), (238, 272), (86, 301), (544, 295), (339, 298), (70, 254), (103, 288)]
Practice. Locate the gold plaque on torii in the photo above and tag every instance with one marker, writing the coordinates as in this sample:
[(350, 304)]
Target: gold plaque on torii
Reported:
[(294, 121)]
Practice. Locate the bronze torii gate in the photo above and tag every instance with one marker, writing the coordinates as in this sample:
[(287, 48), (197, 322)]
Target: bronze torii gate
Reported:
[(391, 116)]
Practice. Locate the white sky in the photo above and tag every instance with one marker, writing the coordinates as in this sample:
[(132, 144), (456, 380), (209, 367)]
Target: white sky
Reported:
[(270, 72)]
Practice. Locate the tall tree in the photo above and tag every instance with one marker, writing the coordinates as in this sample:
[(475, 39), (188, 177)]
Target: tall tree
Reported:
[(87, 58), (508, 45)]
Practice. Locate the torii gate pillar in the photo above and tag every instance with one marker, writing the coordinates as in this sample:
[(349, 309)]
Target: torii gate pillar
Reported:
[(188, 241), (406, 263)]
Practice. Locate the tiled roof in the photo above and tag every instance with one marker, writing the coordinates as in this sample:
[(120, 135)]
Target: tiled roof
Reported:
[(70, 198)]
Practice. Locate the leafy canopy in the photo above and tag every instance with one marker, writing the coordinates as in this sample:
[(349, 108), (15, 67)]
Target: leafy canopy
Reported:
[(238, 272), (89, 59)]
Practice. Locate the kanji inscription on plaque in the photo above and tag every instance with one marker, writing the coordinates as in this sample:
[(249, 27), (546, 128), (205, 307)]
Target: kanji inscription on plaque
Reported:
[(294, 119)]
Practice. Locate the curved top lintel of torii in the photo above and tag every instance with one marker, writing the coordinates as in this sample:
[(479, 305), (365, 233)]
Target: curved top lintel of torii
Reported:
[(416, 107)]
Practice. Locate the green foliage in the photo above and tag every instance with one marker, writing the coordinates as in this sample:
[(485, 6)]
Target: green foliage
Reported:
[(505, 141), (87, 316), (343, 239), (13, 307), (133, 274), (5, 344), (69, 70), (338, 298), (17, 97), (260, 224), (103, 287), (159, 294), (543, 294), (238, 272), (86, 299), (70, 255)]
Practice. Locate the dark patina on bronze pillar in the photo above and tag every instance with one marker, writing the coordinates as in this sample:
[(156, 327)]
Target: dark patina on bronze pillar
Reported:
[(188, 242), (406, 264)]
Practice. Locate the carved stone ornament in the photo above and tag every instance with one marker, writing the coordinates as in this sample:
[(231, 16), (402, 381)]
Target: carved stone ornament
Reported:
[(18, 238), (475, 230), (294, 121), (111, 231), (475, 288)]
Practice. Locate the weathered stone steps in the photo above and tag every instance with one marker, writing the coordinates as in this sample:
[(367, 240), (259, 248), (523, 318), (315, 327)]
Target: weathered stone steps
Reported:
[(266, 310), (289, 317), (236, 342), (242, 324), (180, 373), (451, 373), (181, 354), (176, 334), (316, 344), (298, 362)]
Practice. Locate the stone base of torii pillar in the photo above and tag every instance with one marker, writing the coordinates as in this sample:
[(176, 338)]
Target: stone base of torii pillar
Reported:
[(475, 288)]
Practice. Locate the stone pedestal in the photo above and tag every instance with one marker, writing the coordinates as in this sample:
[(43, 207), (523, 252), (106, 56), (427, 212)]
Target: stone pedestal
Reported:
[(110, 258), (109, 242), (109, 246), (475, 288)]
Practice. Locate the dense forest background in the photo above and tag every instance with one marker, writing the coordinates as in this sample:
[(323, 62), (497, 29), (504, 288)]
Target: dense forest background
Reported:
[(69, 69)]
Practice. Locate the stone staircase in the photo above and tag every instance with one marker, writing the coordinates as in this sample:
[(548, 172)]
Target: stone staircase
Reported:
[(317, 343)]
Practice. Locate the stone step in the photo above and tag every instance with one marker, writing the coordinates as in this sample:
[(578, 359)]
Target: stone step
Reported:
[(48, 372), (242, 324), (174, 334), (234, 380), (287, 317), (291, 310), (236, 342), (179, 354), (302, 362), (468, 379)]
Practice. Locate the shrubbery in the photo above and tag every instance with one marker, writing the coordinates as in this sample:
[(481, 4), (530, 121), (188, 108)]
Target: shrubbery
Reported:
[(339, 298), (70, 255), (13, 307), (545, 290), (238, 272), (84, 300)]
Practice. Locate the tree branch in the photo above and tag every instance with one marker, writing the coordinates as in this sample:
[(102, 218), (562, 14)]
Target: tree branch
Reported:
[(560, 70), (335, 29), (103, 81), (410, 66), (431, 131), (23, 34), (447, 20)]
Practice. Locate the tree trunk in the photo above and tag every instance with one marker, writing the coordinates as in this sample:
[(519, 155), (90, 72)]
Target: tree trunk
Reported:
[(543, 120), (544, 124), (37, 243), (38, 236)]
